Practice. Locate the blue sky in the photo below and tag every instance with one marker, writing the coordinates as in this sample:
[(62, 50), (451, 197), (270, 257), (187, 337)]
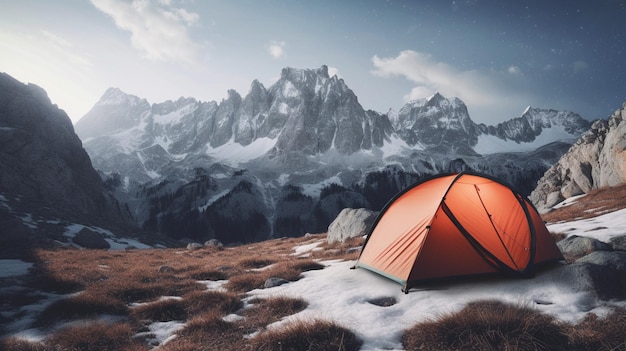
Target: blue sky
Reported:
[(497, 56)]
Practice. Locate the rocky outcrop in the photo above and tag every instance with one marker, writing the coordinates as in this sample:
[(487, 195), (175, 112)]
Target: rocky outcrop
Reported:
[(350, 223), (44, 171), (596, 160)]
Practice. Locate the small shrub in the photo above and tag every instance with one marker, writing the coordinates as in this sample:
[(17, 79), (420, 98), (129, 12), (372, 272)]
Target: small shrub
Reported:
[(488, 325), (95, 337), (315, 335)]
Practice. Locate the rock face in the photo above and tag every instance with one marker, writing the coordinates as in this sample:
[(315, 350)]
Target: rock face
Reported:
[(596, 160), (44, 171), (351, 223)]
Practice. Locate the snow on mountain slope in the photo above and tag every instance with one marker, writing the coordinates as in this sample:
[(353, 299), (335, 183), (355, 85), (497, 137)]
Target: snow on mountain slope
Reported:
[(489, 144)]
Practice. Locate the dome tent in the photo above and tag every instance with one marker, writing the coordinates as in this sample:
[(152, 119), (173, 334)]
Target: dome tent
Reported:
[(454, 225)]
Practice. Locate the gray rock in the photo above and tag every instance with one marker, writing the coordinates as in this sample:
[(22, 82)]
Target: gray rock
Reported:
[(575, 247), (272, 282), (213, 243), (595, 161), (612, 259), (350, 223), (603, 282), (89, 239), (194, 246), (618, 243), (166, 269)]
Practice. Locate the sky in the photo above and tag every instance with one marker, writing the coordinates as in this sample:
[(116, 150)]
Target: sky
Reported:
[(497, 56)]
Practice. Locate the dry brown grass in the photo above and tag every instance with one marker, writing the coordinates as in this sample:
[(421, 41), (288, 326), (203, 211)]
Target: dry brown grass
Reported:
[(208, 332), (492, 325), (111, 282), (95, 337), (595, 203), (14, 344), (312, 335), (270, 310), (488, 325), (85, 305), (602, 334)]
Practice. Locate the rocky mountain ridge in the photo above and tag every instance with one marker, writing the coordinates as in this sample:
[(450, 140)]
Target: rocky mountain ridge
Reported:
[(285, 160), (46, 177), (596, 160)]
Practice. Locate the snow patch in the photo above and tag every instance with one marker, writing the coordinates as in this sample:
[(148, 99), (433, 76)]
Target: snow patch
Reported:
[(233, 153), (10, 268), (604, 227)]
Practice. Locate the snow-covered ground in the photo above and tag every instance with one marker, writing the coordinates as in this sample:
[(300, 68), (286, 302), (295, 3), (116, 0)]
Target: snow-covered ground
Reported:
[(342, 295)]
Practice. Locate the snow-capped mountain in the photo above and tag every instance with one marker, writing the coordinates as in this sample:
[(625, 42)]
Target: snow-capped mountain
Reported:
[(300, 150)]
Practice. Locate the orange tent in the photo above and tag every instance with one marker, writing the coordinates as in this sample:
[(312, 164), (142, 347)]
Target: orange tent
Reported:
[(454, 225)]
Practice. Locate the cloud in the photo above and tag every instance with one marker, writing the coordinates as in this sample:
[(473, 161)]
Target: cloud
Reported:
[(276, 49), (65, 48), (492, 94), (514, 70), (158, 29)]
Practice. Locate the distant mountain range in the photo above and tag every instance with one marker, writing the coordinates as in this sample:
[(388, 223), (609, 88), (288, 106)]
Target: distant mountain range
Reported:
[(285, 160)]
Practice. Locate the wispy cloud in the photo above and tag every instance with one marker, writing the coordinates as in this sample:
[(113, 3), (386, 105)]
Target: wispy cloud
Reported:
[(158, 28), (276, 49), (485, 91), (65, 48)]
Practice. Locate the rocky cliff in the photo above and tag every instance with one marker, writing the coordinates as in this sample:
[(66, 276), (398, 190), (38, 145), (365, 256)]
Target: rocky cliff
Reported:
[(596, 160), (45, 174)]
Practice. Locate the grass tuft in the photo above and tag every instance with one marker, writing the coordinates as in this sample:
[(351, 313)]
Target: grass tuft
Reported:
[(199, 302), (15, 344), (311, 335), (272, 309), (594, 333), (85, 305), (161, 311), (488, 325), (95, 337)]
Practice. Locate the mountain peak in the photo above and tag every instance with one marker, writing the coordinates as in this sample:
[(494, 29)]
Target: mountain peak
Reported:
[(291, 73), (115, 96)]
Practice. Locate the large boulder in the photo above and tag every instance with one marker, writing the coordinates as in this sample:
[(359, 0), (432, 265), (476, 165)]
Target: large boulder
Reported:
[(351, 223), (598, 280)]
